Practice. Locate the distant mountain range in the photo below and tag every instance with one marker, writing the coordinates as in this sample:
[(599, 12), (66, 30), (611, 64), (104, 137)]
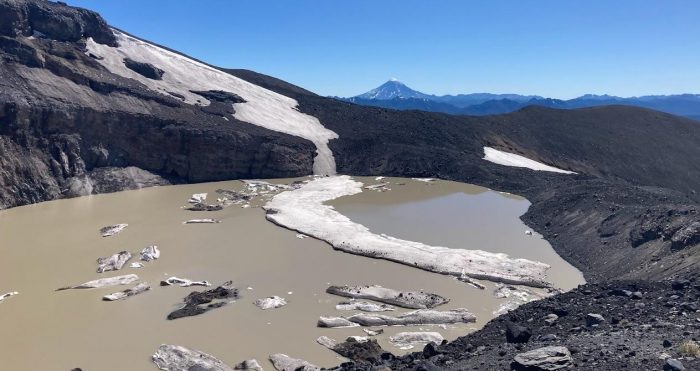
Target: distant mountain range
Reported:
[(396, 95)]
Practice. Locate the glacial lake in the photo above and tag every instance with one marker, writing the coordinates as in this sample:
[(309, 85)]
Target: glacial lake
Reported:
[(55, 244)]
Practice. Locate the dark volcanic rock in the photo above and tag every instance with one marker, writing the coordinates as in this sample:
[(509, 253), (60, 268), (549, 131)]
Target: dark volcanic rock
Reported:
[(53, 20), (635, 342), (517, 334), (199, 302), (365, 351), (220, 96), (144, 69)]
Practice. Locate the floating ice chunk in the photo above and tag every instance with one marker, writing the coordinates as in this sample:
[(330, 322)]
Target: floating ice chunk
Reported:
[(136, 265), (138, 289), (177, 358), (114, 262), (381, 187), (202, 221), (183, 75), (301, 236), (416, 317), (303, 210), (183, 282), (327, 342), (379, 178), (364, 306), (249, 364), (335, 322), (104, 282), (150, 253), (406, 299), (198, 198), (411, 339), (283, 362), (111, 230), (424, 180), (270, 302), (371, 332), (511, 159), (7, 295), (529, 233)]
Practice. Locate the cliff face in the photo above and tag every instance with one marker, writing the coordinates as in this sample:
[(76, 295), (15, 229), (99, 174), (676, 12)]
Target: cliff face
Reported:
[(65, 121)]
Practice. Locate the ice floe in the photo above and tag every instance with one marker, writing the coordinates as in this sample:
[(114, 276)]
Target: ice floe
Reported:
[(198, 198), (372, 332), (7, 295), (406, 299), (114, 262), (184, 75), (199, 302), (270, 302), (407, 340), (202, 221), (150, 253), (304, 211), (138, 289), (104, 282), (364, 306), (111, 230), (283, 362), (416, 317), (178, 358), (183, 282), (249, 364), (335, 322), (511, 159)]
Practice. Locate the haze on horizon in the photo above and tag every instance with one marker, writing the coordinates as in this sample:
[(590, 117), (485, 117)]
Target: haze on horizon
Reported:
[(548, 48)]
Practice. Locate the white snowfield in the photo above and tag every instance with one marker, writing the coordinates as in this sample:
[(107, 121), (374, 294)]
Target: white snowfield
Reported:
[(263, 107), (511, 159), (303, 210)]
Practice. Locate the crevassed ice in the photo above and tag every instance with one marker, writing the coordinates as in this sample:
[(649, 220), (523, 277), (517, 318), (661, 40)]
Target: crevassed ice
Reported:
[(263, 107), (304, 210), (511, 159)]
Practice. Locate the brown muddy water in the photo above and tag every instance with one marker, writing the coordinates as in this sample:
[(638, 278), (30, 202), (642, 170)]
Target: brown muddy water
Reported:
[(54, 244)]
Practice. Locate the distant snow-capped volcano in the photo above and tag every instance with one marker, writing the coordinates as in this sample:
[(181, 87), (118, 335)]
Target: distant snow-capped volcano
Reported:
[(393, 89)]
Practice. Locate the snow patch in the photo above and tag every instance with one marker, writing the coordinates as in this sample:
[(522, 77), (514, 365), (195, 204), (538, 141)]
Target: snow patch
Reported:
[(511, 159), (303, 210), (183, 75)]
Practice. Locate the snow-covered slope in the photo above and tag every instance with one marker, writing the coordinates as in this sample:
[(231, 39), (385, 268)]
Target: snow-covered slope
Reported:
[(182, 75), (511, 159), (303, 210)]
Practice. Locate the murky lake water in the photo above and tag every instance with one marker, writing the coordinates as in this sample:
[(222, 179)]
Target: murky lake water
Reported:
[(54, 244)]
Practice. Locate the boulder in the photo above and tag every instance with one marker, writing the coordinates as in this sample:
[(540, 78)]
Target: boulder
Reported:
[(547, 359), (144, 69), (517, 334), (673, 364), (594, 319)]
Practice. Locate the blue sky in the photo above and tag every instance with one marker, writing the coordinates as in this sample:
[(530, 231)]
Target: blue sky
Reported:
[(558, 49)]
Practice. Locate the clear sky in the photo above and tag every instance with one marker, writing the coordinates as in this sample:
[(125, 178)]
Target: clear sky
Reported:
[(553, 48)]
